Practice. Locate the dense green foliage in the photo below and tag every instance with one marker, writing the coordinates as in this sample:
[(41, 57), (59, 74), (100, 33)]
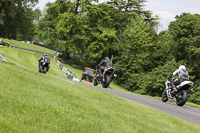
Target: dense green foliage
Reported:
[(17, 19), (133, 45), (4, 4), (185, 31), (186, 35), (179, 45), (89, 30)]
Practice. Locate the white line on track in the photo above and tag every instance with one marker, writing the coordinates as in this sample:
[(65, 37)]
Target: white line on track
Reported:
[(192, 113)]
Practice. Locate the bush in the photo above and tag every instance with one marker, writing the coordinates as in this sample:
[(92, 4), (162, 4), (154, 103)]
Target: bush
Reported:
[(79, 63), (195, 96), (151, 83)]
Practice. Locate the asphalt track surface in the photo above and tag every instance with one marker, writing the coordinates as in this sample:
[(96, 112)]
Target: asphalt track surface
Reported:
[(31, 50), (185, 113)]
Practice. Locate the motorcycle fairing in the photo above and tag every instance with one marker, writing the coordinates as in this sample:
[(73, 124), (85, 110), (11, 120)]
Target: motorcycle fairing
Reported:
[(190, 83), (109, 69)]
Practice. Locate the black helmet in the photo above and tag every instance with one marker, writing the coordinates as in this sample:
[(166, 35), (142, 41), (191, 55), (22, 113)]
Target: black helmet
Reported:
[(106, 58)]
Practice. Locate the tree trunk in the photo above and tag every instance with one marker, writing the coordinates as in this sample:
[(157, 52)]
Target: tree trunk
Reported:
[(66, 55)]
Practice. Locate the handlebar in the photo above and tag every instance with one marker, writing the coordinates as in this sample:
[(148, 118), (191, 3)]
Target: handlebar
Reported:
[(170, 76)]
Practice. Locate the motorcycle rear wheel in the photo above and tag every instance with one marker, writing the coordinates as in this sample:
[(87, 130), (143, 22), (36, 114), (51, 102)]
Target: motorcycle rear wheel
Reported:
[(182, 97), (107, 81)]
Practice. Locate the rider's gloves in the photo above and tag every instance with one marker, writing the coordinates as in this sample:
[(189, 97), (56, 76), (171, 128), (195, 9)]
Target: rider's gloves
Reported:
[(170, 76)]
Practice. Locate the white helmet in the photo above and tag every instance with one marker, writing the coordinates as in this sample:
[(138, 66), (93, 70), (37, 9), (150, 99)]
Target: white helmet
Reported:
[(182, 67)]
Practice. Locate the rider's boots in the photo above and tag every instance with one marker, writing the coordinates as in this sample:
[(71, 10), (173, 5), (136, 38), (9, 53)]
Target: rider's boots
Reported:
[(174, 89)]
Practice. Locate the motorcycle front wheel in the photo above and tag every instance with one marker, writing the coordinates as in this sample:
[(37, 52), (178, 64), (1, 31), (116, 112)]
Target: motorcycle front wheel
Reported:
[(95, 82), (181, 97), (90, 79), (107, 81), (45, 70), (164, 96), (82, 77)]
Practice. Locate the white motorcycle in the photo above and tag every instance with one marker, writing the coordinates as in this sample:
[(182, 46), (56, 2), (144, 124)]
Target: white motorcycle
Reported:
[(181, 95)]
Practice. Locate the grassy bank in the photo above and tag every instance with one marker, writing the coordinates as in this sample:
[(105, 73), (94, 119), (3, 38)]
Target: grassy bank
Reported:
[(34, 102), (28, 46), (67, 65)]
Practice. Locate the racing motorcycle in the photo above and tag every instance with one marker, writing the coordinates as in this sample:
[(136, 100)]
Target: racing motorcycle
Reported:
[(181, 95), (106, 78), (44, 65)]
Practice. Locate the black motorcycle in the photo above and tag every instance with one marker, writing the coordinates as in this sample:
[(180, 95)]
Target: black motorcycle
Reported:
[(44, 65), (106, 78), (181, 95)]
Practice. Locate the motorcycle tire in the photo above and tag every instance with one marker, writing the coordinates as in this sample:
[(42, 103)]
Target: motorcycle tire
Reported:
[(82, 77), (45, 70), (40, 68), (107, 82), (164, 96), (95, 82), (90, 79), (182, 97)]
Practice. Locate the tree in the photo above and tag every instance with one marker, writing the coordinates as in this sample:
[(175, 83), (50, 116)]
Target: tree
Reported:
[(73, 30), (133, 46), (46, 27), (71, 27), (102, 32), (4, 4), (128, 5), (162, 50), (134, 8), (89, 33), (18, 20), (153, 83), (185, 30)]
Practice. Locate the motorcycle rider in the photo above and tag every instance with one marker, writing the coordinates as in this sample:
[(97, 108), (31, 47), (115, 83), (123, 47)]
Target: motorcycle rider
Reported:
[(102, 65), (182, 76), (43, 58)]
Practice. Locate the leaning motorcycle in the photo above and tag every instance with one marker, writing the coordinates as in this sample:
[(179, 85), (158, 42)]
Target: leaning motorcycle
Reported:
[(106, 78), (181, 95), (44, 65)]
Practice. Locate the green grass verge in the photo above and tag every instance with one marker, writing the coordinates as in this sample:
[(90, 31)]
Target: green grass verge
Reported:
[(28, 46), (78, 72), (28, 60), (34, 102)]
